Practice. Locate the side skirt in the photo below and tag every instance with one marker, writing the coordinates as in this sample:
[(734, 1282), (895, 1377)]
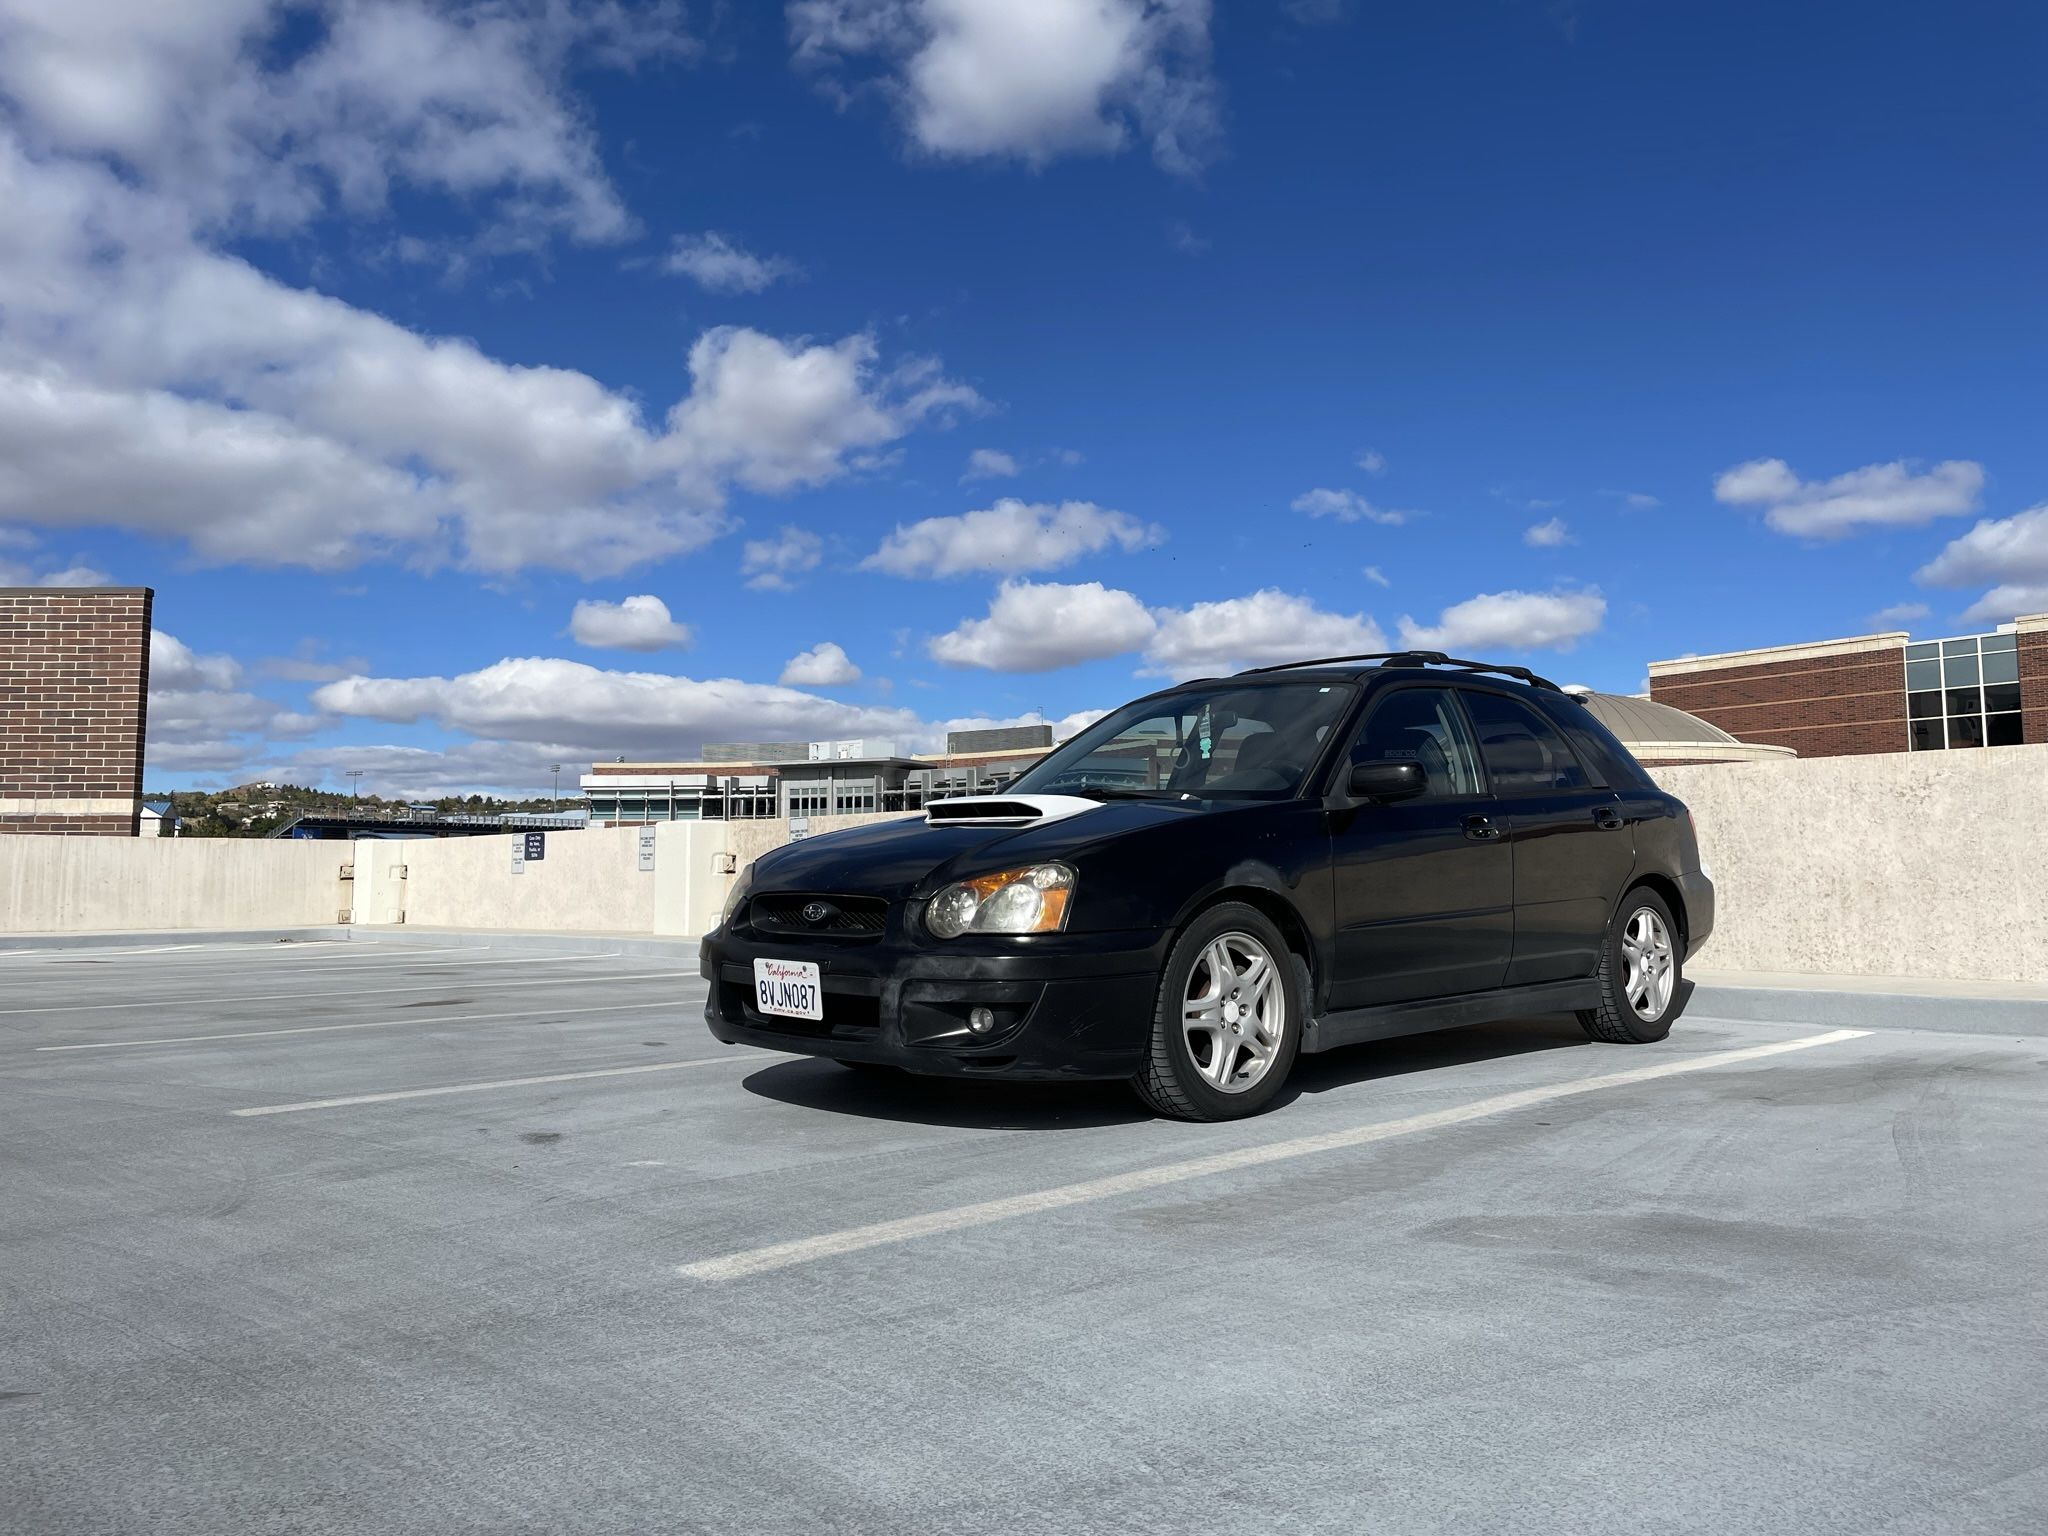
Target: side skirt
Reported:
[(1391, 1020)]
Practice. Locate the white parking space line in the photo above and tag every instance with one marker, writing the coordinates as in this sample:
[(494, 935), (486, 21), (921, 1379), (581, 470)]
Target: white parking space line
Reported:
[(285, 997), (83, 951), (755, 1261), (505, 1082), (366, 966), (323, 1029)]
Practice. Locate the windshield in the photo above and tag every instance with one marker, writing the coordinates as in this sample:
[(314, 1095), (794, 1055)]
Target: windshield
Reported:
[(1226, 742)]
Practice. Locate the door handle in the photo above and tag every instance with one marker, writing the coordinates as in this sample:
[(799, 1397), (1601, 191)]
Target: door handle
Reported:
[(1481, 829), (1606, 816)]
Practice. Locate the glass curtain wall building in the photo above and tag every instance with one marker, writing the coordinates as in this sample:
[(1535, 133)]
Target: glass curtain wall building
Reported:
[(1964, 693)]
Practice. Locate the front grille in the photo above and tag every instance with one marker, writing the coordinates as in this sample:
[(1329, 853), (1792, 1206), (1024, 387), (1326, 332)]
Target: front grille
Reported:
[(805, 913), (848, 1016)]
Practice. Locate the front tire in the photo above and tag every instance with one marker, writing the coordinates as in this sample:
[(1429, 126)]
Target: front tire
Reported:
[(1641, 974), (1227, 1023)]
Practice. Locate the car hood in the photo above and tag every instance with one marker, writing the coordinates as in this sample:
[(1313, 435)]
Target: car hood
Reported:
[(913, 857)]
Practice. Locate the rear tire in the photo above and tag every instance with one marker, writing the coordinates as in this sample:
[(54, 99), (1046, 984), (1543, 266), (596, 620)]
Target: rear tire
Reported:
[(1641, 974), (1226, 1025)]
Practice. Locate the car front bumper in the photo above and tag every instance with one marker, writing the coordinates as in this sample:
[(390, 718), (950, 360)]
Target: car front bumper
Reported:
[(1065, 1006)]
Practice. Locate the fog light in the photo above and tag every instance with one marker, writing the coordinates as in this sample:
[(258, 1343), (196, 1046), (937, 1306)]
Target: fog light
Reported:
[(981, 1020)]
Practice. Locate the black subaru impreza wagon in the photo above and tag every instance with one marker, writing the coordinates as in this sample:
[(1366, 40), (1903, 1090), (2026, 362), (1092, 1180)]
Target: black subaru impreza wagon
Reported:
[(1219, 876)]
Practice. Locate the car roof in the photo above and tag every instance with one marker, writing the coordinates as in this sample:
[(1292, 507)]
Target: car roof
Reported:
[(1384, 666)]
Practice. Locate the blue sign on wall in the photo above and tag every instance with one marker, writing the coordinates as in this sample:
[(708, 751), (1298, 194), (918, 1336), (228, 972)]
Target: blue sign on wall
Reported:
[(536, 846)]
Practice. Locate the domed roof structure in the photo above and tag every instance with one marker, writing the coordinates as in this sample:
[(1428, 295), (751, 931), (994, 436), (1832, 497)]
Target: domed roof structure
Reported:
[(1657, 733)]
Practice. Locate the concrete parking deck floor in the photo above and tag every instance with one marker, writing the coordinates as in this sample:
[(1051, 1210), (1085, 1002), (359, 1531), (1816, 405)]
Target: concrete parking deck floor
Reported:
[(366, 1238)]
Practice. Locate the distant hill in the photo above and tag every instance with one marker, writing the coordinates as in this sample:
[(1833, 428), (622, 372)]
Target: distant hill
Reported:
[(253, 810)]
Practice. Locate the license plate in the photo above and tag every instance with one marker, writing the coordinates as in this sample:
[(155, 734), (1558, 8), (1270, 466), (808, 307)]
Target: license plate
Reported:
[(789, 989)]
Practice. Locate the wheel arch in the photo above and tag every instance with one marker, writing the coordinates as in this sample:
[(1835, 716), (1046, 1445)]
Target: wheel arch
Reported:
[(1667, 889), (1275, 906)]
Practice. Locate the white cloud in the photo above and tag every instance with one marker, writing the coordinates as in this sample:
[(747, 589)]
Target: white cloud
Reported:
[(1030, 79), (776, 416), (641, 623), (1036, 627), (174, 667), (2008, 601), (259, 113), (773, 565), (714, 261), (1346, 507), (823, 666), (1548, 534), (1377, 577), (1878, 495), (1639, 501), (1266, 626), (1509, 621), (2009, 552), (584, 713), (1062, 727), (1039, 626), (1011, 536), (39, 571), (200, 719), (276, 425), (1373, 462), (1901, 614), (236, 484), (2004, 549), (989, 464)]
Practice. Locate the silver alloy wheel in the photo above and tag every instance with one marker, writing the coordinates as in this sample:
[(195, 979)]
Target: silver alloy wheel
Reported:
[(1235, 1012), (1652, 967)]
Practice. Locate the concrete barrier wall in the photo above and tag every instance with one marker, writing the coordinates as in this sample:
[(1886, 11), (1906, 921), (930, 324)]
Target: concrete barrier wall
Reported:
[(84, 884), (1926, 864), (1929, 865), (589, 881)]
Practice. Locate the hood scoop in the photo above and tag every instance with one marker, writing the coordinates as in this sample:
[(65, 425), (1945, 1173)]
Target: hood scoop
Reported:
[(1005, 810)]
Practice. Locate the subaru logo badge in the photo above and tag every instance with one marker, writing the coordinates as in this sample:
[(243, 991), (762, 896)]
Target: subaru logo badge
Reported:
[(816, 912)]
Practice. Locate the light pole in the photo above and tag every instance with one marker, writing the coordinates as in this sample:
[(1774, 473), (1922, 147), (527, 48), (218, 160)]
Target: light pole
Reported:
[(354, 777), (555, 774)]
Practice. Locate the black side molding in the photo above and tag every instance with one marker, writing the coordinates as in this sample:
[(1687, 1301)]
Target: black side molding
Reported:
[(1353, 1026)]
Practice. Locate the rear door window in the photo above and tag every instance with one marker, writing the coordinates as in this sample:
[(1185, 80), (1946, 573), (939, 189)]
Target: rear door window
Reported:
[(1524, 753)]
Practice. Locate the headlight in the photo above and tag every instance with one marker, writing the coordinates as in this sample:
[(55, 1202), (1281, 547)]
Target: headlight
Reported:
[(742, 883), (1029, 900)]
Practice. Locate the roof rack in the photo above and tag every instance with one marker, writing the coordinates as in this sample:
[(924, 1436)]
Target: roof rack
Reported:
[(1418, 659)]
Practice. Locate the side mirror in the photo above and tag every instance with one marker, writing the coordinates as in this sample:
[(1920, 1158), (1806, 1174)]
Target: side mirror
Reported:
[(1395, 779)]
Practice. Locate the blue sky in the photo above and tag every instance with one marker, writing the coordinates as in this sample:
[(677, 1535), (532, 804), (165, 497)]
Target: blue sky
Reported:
[(486, 385)]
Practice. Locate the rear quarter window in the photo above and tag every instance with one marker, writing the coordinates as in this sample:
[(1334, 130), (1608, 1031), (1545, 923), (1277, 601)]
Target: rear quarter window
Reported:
[(1600, 747)]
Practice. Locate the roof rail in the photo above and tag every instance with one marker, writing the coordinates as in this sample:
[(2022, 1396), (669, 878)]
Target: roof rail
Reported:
[(1419, 659)]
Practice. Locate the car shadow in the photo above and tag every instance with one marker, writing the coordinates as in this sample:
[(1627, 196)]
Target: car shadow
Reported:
[(1351, 1065), (969, 1104), (966, 1103)]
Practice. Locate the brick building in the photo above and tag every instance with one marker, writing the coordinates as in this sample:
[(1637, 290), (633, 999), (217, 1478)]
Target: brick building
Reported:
[(1872, 693), (74, 698)]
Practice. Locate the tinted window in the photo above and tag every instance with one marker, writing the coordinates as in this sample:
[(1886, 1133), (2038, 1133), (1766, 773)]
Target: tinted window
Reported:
[(1523, 751), (1600, 751), (1422, 725)]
